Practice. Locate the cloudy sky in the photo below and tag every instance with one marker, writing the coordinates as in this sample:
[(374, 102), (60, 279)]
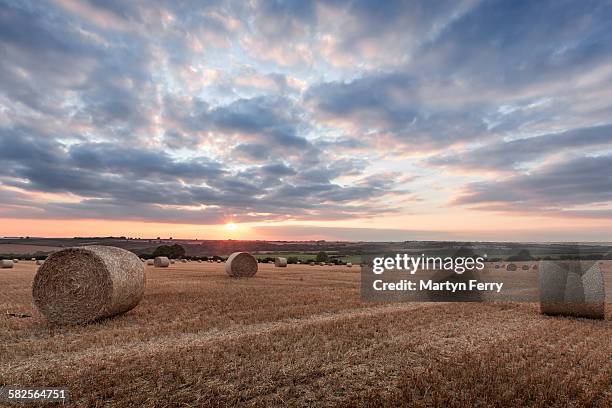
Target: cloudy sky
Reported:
[(299, 120)]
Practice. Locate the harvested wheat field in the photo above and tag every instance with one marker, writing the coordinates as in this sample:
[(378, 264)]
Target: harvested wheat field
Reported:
[(300, 336)]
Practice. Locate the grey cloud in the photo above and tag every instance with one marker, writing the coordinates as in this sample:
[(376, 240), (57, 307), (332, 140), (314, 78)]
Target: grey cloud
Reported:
[(554, 187), (507, 155)]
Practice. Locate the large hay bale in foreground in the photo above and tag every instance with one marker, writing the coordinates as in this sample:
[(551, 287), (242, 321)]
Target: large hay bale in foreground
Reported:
[(6, 263), (572, 288), (241, 264), (280, 262), (161, 262), (84, 284)]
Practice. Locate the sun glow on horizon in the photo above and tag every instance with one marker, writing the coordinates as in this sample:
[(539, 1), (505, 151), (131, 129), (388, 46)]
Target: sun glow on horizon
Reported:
[(230, 226)]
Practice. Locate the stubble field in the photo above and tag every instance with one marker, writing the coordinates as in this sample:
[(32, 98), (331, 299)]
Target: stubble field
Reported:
[(300, 336)]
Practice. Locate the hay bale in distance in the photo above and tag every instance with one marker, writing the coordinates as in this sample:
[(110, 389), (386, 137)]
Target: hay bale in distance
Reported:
[(525, 267), (15, 260), (40, 262), (280, 262), (322, 264), (150, 262), (311, 263), (511, 267), (172, 261), (33, 259), (349, 264), (161, 262), (572, 288), (6, 263), (241, 264), (84, 284)]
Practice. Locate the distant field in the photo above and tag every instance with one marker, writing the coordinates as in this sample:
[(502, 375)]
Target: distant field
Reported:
[(355, 259), (300, 336), (25, 249)]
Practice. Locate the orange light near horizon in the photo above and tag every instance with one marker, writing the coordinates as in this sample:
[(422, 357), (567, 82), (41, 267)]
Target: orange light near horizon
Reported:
[(230, 226)]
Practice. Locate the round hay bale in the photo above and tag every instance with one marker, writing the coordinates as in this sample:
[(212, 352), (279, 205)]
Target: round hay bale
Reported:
[(40, 262), (161, 262), (84, 284), (572, 288), (511, 267), (172, 261), (183, 260), (280, 262), (6, 263), (241, 264), (32, 259), (322, 264), (525, 267), (150, 262), (311, 263), (349, 265), (15, 260)]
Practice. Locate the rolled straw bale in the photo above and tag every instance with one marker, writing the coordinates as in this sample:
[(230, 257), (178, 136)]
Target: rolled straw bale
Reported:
[(280, 262), (172, 261), (83, 284), (40, 262), (15, 260), (349, 265), (183, 260), (161, 262), (6, 263), (150, 262), (311, 263), (525, 267), (511, 267), (33, 259), (241, 264), (572, 288), (322, 264)]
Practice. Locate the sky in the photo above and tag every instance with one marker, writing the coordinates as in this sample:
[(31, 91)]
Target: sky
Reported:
[(340, 120)]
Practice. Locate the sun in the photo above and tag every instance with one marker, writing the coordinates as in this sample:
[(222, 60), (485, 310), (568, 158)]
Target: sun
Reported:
[(231, 226)]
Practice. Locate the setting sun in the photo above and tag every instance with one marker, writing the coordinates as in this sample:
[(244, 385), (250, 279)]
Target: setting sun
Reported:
[(231, 226)]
